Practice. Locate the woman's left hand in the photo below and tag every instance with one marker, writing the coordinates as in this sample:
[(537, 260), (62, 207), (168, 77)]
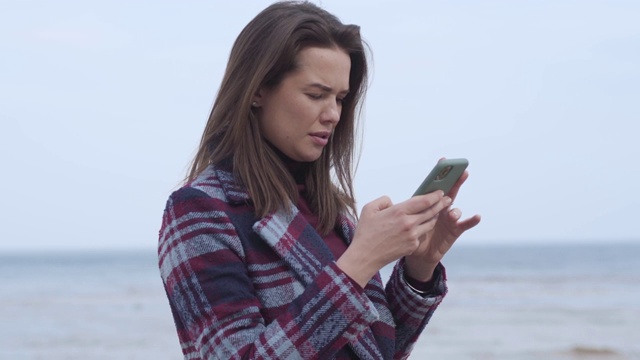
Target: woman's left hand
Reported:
[(435, 244)]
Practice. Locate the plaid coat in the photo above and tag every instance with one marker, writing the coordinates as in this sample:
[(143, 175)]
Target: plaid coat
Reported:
[(241, 287)]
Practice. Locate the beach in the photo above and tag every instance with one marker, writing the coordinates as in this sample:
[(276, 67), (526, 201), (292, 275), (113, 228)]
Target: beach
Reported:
[(505, 302)]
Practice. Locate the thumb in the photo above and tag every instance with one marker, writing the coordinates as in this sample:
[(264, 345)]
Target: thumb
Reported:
[(379, 204)]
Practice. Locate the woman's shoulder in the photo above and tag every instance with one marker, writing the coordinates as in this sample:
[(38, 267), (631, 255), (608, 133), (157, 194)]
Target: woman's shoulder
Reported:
[(201, 207), (215, 182)]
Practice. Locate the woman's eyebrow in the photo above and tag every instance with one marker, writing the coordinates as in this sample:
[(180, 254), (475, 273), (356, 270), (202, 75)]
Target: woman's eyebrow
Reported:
[(327, 88)]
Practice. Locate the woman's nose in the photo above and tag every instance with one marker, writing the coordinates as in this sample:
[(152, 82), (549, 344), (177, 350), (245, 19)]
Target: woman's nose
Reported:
[(332, 112)]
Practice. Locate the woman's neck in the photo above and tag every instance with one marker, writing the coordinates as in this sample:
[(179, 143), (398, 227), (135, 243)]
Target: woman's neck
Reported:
[(297, 169)]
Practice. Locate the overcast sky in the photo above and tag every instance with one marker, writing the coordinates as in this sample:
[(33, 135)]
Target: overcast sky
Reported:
[(102, 104)]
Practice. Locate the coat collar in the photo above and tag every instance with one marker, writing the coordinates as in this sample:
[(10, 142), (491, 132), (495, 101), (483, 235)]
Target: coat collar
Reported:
[(234, 191), (288, 233)]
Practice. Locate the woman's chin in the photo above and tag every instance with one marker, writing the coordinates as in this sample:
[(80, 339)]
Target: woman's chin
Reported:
[(310, 156)]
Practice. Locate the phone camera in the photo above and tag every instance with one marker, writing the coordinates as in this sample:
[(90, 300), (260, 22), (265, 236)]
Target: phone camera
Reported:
[(443, 173)]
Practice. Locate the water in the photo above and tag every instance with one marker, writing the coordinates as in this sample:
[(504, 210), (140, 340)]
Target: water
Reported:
[(544, 302), (504, 302), (84, 306)]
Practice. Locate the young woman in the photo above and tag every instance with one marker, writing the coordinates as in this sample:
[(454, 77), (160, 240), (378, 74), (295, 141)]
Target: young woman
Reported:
[(259, 251)]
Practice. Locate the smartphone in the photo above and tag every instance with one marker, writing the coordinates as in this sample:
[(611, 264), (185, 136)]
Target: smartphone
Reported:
[(443, 176)]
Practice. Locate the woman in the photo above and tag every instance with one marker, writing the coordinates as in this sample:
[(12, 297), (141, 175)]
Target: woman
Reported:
[(259, 251)]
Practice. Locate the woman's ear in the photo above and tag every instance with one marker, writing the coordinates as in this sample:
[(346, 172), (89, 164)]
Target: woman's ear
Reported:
[(258, 97)]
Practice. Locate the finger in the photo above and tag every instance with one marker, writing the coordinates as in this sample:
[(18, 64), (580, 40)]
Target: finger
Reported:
[(378, 204), (456, 187), (455, 214), (434, 212), (419, 204), (467, 224), (427, 226)]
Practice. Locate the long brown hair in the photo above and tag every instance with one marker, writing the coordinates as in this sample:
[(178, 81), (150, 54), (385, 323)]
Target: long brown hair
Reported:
[(264, 52)]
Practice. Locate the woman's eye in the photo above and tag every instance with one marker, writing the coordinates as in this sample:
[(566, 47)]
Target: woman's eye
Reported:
[(315, 96)]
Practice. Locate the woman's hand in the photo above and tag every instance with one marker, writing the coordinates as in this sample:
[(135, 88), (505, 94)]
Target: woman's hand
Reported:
[(439, 239), (387, 232)]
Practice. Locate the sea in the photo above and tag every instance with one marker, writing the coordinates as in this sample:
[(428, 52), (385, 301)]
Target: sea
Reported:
[(550, 301)]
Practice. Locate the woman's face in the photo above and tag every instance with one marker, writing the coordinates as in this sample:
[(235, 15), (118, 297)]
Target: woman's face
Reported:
[(299, 115)]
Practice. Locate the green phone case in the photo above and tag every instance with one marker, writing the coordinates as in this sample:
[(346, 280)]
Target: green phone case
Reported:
[(443, 176)]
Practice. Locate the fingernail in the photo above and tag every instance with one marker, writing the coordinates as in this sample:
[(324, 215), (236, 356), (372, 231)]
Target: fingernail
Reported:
[(441, 193), (447, 200)]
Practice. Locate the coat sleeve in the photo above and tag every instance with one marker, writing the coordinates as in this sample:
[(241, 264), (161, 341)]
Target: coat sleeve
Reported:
[(411, 311), (213, 301)]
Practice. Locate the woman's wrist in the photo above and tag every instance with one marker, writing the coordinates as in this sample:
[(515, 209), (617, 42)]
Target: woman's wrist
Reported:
[(356, 267), (418, 287), (432, 287), (418, 269)]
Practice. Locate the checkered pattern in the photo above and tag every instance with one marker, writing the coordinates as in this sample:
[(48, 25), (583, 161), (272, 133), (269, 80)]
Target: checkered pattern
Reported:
[(250, 288)]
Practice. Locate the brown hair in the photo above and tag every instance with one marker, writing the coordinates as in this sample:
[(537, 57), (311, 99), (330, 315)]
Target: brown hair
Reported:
[(264, 52)]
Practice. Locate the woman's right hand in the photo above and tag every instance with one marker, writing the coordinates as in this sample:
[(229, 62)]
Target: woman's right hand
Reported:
[(387, 232)]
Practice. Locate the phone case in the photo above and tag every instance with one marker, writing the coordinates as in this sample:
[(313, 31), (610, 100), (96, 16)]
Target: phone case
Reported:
[(443, 176)]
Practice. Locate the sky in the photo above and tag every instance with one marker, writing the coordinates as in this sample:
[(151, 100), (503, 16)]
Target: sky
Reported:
[(102, 105)]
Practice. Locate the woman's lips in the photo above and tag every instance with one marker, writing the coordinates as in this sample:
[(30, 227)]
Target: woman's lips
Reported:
[(321, 137)]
